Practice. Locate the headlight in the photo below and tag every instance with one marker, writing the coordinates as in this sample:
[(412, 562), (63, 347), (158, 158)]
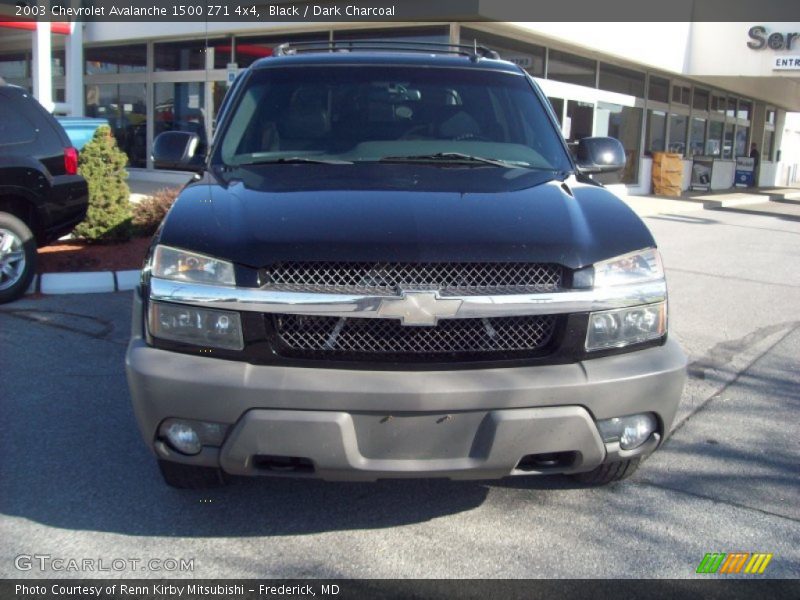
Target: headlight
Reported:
[(182, 265), (197, 326), (636, 267), (625, 326), (631, 325)]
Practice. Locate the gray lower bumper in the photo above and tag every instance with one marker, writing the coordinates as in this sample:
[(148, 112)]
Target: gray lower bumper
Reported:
[(368, 424), (414, 446), (371, 424)]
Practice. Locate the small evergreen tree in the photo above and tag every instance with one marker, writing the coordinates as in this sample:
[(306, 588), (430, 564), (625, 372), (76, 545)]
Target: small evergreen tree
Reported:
[(102, 163)]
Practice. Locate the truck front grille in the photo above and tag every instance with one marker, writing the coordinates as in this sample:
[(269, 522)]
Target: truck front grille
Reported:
[(451, 279), (354, 338)]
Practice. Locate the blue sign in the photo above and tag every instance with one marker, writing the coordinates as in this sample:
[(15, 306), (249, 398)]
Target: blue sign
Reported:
[(745, 172)]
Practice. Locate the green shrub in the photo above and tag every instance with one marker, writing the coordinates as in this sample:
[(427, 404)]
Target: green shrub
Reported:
[(149, 212), (102, 163)]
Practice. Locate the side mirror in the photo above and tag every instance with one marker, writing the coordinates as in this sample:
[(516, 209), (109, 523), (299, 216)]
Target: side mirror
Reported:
[(177, 150), (599, 155)]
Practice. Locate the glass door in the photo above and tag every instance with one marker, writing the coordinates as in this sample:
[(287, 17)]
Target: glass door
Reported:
[(180, 106), (578, 122)]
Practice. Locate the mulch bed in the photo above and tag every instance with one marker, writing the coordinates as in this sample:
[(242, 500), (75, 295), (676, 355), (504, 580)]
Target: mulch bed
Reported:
[(70, 256)]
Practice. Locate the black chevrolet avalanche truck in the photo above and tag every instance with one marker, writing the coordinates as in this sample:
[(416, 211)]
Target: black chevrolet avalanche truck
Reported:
[(42, 196), (392, 265)]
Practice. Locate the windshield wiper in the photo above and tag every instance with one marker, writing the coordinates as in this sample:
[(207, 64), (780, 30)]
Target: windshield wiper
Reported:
[(294, 159), (453, 157)]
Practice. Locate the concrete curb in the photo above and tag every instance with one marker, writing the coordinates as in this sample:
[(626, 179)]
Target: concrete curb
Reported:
[(740, 197), (87, 282), (648, 206)]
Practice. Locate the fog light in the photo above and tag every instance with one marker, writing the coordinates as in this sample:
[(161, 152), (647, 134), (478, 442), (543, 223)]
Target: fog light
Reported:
[(182, 437), (631, 432), (189, 436)]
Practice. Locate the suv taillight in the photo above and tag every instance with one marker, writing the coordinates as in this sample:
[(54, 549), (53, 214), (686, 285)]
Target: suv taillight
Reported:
[(71, 161)]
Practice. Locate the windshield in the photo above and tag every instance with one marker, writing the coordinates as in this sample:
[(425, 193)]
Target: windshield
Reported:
[(356, 113)]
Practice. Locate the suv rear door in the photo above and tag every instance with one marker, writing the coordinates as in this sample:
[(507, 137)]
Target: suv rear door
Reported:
[(32, 164)]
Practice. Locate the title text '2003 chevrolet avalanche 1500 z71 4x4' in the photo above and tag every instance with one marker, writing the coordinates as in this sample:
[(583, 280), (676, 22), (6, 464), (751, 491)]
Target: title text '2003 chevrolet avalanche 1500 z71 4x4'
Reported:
[(392, 266)]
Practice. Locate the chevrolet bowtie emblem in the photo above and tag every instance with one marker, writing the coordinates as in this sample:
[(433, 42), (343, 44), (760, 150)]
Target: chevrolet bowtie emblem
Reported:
[(419, 308)]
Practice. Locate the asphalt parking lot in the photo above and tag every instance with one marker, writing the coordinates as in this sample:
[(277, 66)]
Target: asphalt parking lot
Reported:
[(78, 482)]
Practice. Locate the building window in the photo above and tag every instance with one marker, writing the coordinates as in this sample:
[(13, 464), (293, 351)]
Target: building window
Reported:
[(681, 94), (727, 141), (58, 64), (558, 108), (124, 107), (718, 104), (658, 90), (731, 111), (191, 55), (625, 124), (181, 107), (580, 121), (623, 81), (769, 134), (115, 59), (14, 66), (569, 68), (745, 110), (697, 140), (700, 99), (714, 141), (769, 143), (527, 56), (656, 131), (250, 49), (437, 34), (742, 135), (677, 133)]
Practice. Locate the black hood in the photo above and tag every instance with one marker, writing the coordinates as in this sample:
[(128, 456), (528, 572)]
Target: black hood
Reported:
[(403, 213)]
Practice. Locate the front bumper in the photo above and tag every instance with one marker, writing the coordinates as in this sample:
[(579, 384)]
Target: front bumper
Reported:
[(366, 425)]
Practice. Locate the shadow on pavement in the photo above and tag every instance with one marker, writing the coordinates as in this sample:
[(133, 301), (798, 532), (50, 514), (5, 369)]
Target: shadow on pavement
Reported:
[(683, 218), (72, 456), (785, 210), (98, 476)]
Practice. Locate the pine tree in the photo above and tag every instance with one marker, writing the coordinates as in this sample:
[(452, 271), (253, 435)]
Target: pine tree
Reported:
[(102, 164)]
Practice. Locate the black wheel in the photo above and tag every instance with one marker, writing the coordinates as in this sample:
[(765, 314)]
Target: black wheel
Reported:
[(190, 477), (17, 257), (609, 472)]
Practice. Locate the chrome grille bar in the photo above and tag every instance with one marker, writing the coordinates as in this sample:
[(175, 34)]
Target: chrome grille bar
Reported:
[(369, 306)]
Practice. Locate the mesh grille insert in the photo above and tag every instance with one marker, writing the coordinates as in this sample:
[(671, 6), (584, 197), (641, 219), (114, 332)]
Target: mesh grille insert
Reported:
[(451, 279), (331, 336)]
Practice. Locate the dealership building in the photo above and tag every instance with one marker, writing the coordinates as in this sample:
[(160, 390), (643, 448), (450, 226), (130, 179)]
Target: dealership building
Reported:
[(698, 89)]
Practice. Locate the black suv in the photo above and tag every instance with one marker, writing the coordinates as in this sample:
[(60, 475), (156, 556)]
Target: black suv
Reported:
[(42, 197), (392, 266)]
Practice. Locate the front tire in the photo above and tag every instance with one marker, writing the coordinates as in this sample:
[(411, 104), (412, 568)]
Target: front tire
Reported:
[(608, 473), (190, 477), (17, 257)]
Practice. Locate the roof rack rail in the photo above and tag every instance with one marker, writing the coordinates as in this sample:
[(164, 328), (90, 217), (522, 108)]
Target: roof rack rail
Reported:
[(473, 51)]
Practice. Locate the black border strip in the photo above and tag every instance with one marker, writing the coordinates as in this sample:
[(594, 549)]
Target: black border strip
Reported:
[(277, 11), (708, 588)]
